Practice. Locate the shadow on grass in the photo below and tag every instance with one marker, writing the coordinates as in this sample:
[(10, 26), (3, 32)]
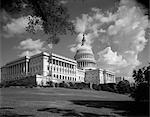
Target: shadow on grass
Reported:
[(123, 108), (1, 108), (71, 113), (7, 113)]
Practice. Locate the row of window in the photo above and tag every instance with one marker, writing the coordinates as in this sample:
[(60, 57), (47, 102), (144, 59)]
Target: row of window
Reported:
[(60, 63), (81, 64), (35, 61), (11, 71), (56, 69), (64, 77), (35, 68), (84, 56)]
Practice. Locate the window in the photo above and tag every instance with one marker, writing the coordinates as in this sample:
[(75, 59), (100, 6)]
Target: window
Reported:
[(59, 63), (60, 76), (53, 61)]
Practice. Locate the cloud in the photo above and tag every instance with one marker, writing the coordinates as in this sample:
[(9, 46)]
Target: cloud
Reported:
[(31, 47), (111, 58), (18, 26), (63, 1), (72, 47), (124, 30)]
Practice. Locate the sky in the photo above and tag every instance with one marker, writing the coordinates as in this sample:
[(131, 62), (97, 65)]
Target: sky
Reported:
[(116, 32)]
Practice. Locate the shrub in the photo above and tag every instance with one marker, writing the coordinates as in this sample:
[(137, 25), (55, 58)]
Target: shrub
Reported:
[(96, 87), (141, 92), (71, 85), (82, 85), (56, 84), (106, 87), (49, 83), (63, 84), (123, 87)]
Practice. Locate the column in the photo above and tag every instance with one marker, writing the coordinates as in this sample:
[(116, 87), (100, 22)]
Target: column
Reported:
[(10, 70), (26, 67), (16, 69), (21, 67), (13, 69)]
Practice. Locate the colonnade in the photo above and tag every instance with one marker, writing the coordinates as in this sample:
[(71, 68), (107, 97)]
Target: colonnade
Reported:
[(16, 69), (85, 64), (109, 77)]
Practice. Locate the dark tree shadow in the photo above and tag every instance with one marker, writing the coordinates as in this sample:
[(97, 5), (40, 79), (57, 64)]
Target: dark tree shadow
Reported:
[(7, 113), (72, 113), (1, 108), (124, 108)]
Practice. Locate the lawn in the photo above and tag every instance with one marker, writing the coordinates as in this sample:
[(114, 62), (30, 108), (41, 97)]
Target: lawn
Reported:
[(61, 102)]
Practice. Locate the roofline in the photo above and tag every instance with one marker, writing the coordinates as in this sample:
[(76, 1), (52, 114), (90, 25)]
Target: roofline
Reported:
[(18, 59)]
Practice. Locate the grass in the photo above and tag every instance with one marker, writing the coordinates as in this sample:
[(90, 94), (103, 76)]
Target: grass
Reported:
[(60, 102)]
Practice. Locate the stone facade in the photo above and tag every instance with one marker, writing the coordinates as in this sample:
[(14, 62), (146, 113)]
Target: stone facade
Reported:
[(46, 67), (52, 67), (99, 76)]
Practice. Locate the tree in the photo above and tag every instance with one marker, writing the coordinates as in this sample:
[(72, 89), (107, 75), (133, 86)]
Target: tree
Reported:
[(54, 17), (123, 86), (142, 75), (141, 78)]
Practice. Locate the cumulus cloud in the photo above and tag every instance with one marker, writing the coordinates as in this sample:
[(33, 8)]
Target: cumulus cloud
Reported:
[(124, 30), (18, 26), (111, 58), (63, 1), (31, 47)]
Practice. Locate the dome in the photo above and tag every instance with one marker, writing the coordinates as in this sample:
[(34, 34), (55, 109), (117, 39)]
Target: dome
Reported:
[(85, 57)]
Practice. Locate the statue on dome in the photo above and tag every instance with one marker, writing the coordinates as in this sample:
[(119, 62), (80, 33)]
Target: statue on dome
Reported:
[(83, 40)]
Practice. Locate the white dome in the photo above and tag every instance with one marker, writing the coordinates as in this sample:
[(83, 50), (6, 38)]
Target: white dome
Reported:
[(85, 57)]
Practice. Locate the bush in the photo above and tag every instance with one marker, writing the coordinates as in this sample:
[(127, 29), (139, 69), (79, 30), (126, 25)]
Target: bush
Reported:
[(106, 87), (82, 85), (26, 81), (123, 87), (56, 84), (141, 92), (64, 84), (50, 83), (96, 87), (71, 85)]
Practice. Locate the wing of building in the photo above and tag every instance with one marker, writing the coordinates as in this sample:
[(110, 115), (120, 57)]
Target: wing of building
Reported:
[(52, 67)]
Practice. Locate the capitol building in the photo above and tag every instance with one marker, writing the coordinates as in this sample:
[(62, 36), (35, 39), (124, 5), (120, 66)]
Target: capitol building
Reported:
[(52, 67)]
